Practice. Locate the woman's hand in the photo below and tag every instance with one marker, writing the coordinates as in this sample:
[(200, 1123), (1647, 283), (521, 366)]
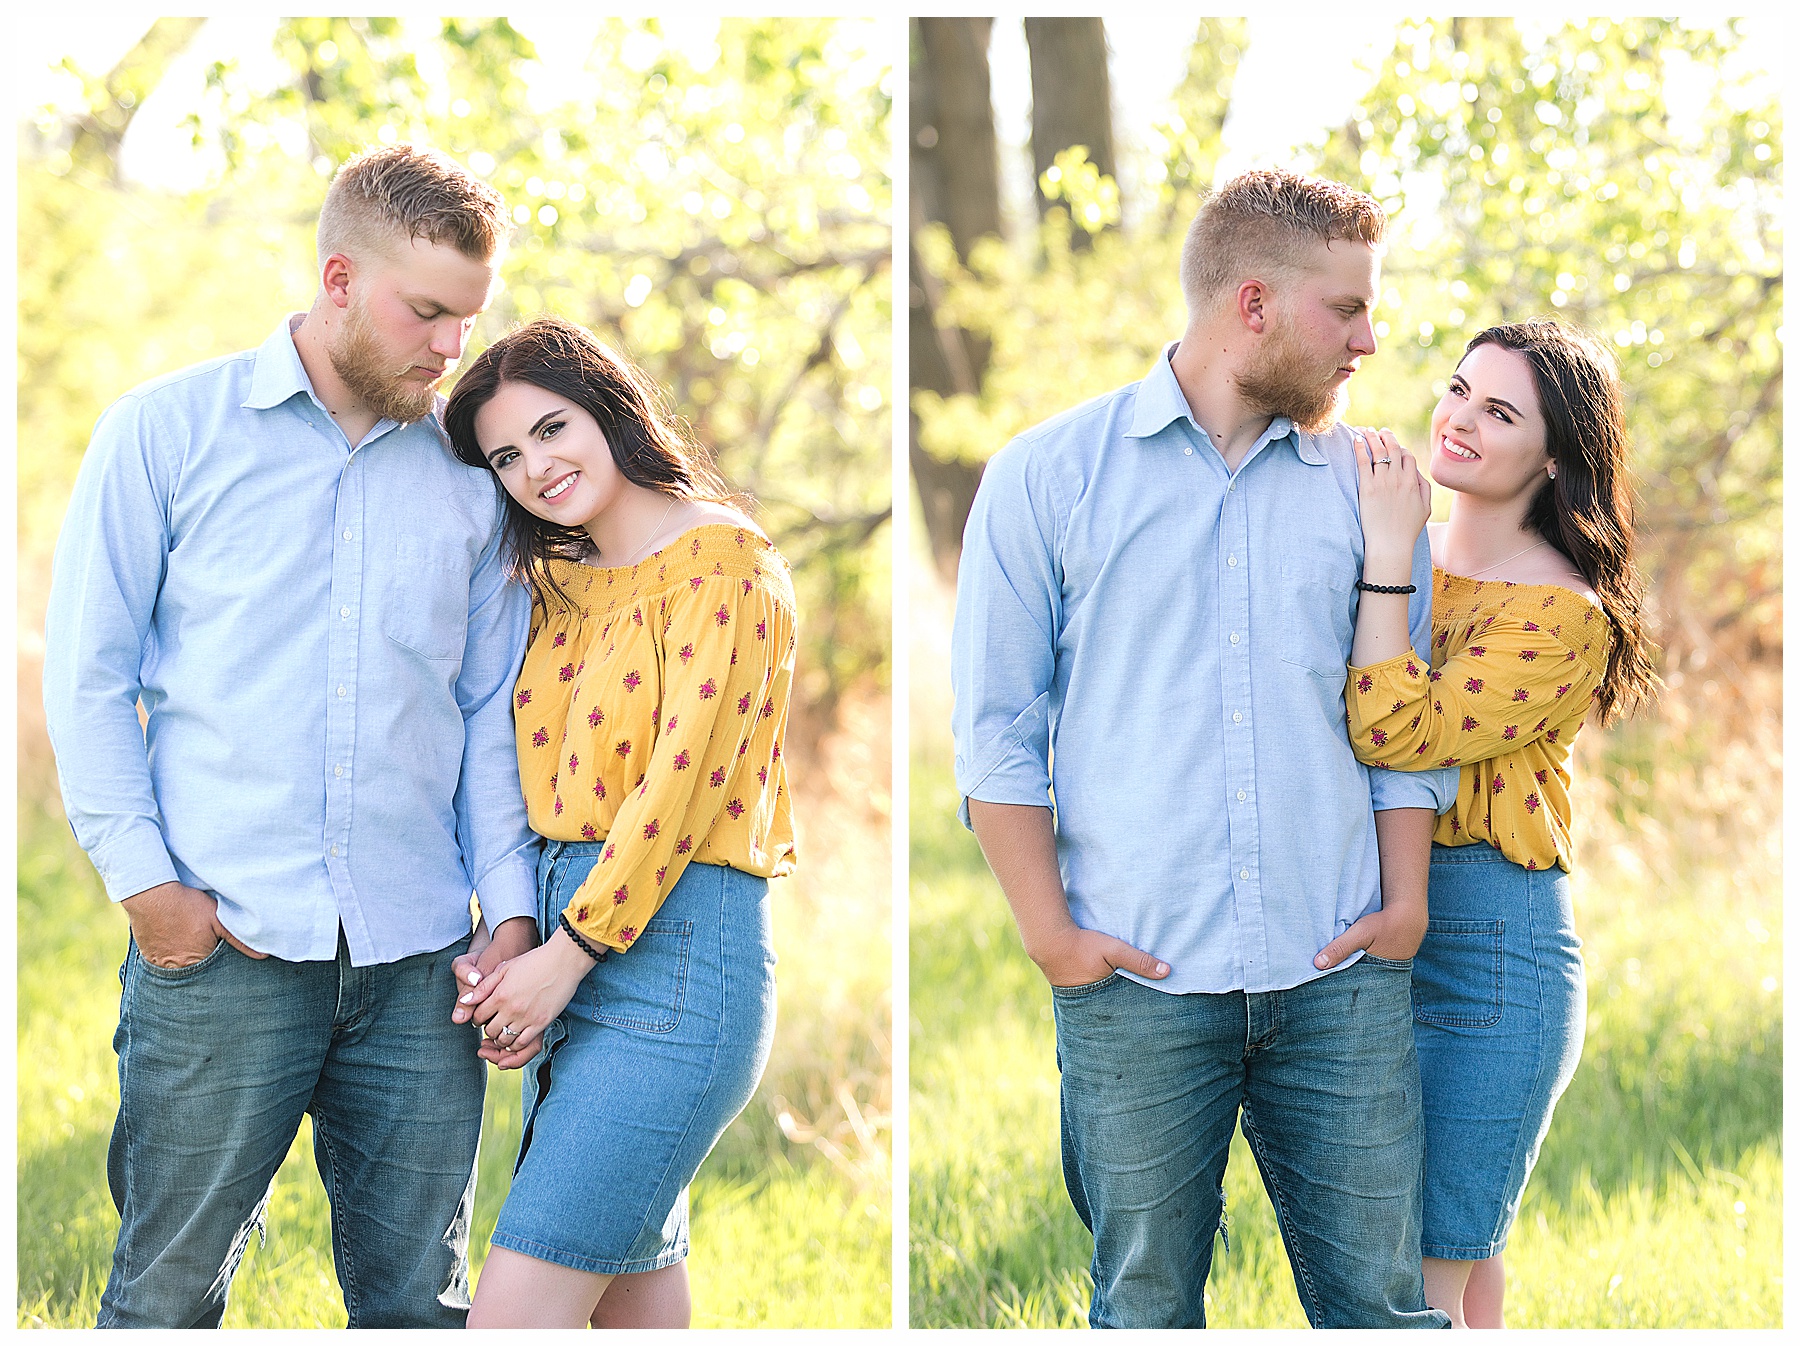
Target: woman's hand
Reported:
[(487, 952), (515, 1002), (1394, 501)]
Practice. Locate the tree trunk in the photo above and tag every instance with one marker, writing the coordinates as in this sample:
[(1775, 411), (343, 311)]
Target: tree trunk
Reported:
[(955, 180), (116, 100), (1071, 99)]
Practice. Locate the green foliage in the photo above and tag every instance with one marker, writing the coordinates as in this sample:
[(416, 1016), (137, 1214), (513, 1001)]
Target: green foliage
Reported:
[(1625, 175), (1571, 171), (721, 213), (1657, 1198), (781, 1237)]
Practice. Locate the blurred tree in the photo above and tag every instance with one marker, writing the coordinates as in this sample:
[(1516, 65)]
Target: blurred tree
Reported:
[(1573, 173), (954, 159), (719, 209), (1071, 104), (1623, 173), (112, 101)]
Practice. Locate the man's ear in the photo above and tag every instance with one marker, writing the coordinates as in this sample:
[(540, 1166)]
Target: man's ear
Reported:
[(1252, 305), (334, 279)]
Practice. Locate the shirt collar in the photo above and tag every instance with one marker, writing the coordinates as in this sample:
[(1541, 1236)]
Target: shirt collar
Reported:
[(279, 373), (1160, 403)]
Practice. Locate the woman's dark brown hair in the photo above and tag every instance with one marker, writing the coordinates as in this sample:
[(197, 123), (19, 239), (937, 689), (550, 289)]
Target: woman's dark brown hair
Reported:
[(1585, 511), (647, 443)]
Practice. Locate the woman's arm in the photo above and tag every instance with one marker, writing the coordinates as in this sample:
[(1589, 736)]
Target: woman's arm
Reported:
[(1394, 502), (728, 670), (1510, 686)]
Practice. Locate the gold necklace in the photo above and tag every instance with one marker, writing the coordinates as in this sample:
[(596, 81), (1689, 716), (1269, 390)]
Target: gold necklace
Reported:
[(1515, 556)]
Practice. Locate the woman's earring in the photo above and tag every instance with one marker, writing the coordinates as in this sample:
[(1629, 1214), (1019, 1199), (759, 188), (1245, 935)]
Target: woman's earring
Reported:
[(1553, 472)]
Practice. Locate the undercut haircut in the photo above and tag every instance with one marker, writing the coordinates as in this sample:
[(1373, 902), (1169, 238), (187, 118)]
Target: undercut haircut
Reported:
[(386, 197), (1260, 223)]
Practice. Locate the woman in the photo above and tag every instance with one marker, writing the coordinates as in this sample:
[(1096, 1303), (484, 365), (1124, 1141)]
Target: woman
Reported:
[(1536, 617), (650, 712)]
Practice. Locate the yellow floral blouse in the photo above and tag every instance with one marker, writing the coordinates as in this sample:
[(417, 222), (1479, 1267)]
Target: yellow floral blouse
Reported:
[(1514, 668), (651, 715)]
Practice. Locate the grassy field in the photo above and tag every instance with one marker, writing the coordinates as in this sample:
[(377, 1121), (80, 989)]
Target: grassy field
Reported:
[(790, 1215), (1657, 1201)]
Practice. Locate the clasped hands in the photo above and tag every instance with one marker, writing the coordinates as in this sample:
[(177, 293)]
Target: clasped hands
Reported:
[(514, 989)]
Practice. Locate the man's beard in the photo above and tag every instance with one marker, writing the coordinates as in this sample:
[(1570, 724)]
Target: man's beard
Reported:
[(1284, 380), (362, 363)]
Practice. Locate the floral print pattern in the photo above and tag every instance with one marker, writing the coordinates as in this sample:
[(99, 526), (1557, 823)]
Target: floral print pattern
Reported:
[(679, 726), (1471, 706)]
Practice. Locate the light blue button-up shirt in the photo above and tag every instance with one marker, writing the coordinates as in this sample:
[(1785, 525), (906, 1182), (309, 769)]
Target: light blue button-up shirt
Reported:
[(325, 642), (1158, 646)]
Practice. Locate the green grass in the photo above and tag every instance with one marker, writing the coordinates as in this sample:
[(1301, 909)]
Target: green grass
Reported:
[(1657, 1199), (782, 1234)]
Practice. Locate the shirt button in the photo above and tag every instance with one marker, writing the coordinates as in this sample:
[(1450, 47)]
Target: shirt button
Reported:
[(334, 850), (1237, 716), (1234, 637), (1242, 795), (1188, 452), (337, 770), (342, 691), (1243, 873), (1231, 561), (346, 535), (343, 612)]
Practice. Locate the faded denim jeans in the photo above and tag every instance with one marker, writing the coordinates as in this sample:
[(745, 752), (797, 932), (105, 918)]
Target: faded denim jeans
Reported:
[(1327, 1083), (218, 1062)]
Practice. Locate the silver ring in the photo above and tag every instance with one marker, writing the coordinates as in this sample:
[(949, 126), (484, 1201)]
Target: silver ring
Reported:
[(509, 1030), (1384, 461)]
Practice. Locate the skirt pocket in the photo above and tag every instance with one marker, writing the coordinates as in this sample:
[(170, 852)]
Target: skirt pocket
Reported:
[(1456, 975)]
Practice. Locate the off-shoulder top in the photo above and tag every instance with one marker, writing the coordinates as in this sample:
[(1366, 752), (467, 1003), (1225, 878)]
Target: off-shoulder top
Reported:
[(1514, 668), (650, 713)]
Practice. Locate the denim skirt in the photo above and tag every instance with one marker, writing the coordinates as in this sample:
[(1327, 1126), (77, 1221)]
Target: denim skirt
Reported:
[(657, 1051), (1499, 1008)]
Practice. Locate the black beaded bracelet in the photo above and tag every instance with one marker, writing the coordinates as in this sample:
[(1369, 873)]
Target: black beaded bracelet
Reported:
[(598, 955), (1387, 588)]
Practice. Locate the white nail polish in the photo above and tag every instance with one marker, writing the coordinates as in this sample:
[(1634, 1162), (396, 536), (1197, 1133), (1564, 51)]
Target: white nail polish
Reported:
[(467, 999)]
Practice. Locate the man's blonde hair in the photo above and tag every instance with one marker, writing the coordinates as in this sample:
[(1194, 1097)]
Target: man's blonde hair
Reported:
[(1260, 222), (389, 196)]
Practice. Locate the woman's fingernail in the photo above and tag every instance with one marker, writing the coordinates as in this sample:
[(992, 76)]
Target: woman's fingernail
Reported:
[(468, 998), (474, 977)]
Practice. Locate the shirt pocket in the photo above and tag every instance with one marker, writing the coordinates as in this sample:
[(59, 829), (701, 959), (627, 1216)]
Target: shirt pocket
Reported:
[(425, 599), (1317, 617)]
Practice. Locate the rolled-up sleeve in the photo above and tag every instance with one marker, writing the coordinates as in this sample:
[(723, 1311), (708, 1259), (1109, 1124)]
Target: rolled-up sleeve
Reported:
[(1434, 789), (1003, 645), (499, 848)]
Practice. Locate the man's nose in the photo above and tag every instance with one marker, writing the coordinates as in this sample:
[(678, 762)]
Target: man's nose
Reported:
[(449, 337), (1362, 340)]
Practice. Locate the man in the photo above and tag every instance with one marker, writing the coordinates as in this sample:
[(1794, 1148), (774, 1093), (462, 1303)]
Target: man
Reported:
[(276, 553), (1154, 613)]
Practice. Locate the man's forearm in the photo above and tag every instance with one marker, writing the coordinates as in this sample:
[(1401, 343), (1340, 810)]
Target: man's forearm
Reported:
[(1403, 840), (1019, 842)]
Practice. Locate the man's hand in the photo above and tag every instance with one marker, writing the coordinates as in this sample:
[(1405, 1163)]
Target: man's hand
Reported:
[(177, 926), (521, 998), (1394, 933), (1076, 957), (487, 955)]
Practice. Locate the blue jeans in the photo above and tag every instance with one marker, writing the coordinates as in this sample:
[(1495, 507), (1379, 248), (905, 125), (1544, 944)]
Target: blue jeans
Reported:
[(1328, 1086), (218, 1062)]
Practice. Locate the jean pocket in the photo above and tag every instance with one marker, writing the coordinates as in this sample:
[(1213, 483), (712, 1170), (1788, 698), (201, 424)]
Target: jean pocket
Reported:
[(178, 974), (1399, 964), (1086, 987), (1316, 616), (644, 988), (1456, 976)]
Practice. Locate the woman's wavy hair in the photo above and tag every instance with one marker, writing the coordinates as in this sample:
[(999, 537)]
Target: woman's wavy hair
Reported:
[(648, 443), (1585, 511)]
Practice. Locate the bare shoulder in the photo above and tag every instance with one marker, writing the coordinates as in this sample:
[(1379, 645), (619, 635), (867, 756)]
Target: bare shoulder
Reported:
[(1549, 566), (714, 511)]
